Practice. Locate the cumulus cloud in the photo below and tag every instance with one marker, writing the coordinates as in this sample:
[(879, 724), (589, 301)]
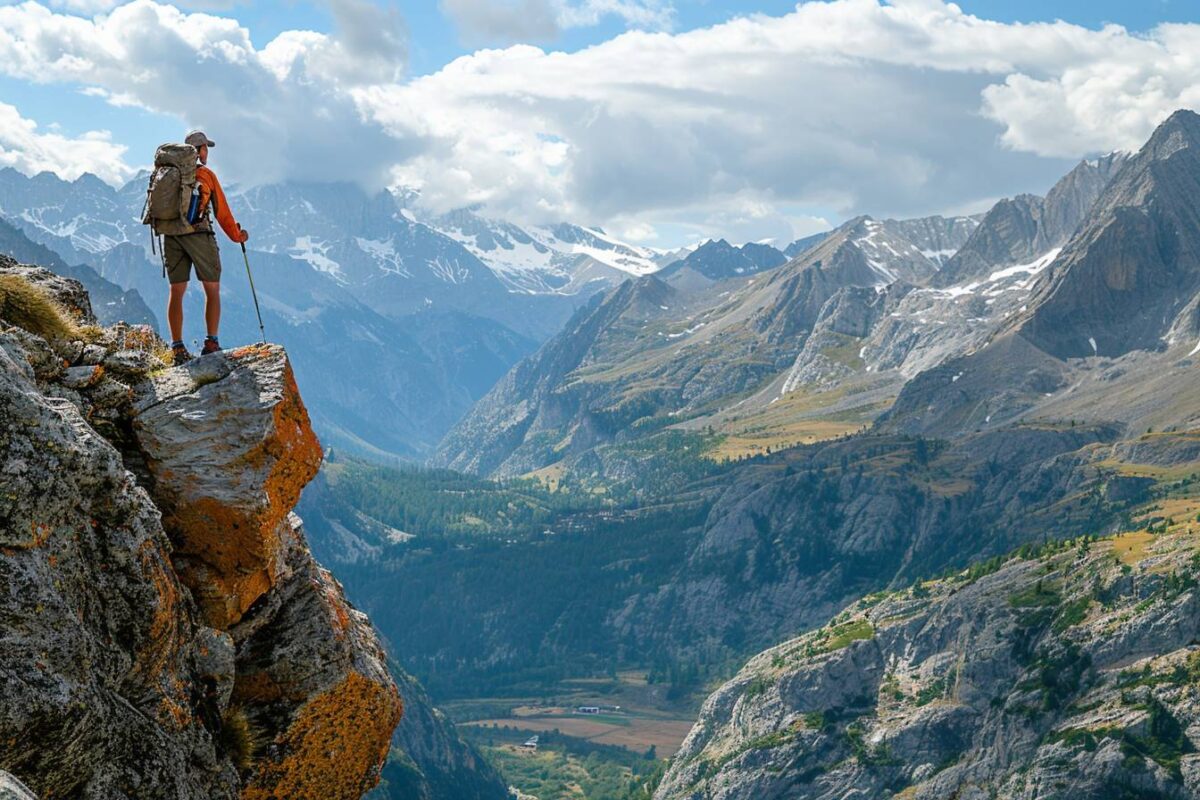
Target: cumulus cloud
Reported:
[(29, 150), (847, 106), (506, 21), (853, 105), (285, 111)]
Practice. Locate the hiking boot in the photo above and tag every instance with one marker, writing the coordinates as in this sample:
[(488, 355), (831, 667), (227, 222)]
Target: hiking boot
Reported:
[(180, 355), (210, 346)]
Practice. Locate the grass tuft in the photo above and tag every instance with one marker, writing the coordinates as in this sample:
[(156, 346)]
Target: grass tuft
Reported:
[(29, 307), (239, 738)]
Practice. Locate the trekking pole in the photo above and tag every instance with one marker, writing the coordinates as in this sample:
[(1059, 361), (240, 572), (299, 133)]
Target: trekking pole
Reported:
[(253, 293)]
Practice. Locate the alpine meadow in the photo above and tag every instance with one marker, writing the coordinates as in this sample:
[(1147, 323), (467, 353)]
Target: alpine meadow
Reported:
[(599, 400)]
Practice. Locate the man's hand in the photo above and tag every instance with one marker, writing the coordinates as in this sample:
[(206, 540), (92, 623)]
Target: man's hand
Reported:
[(245, 234)]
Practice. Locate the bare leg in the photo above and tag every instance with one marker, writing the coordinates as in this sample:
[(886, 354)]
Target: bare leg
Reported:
[(175, 311), (212, 306)]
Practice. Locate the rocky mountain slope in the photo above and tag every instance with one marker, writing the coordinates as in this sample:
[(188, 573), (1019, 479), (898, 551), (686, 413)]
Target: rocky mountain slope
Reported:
[(1024, 228), (168, 633), (663, 349), (1109, 325), (718, 260), (1070, 671), (1069, 674), (819, 346), (1130, 280), (552, 259)]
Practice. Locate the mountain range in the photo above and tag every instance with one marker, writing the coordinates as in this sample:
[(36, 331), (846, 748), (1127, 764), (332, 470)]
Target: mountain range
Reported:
[(774, 444), (407, 320), (833, 333), (716, 454)]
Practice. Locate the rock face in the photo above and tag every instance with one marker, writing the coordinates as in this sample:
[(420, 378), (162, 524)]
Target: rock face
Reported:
[(166, 632), (1021, 229), (229, 447), (13, 789), (430, 761), (1067, 674), (310, 667), (1131, 277)]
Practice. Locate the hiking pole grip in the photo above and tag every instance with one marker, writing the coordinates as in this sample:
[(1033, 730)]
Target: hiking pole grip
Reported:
[(253, 293)]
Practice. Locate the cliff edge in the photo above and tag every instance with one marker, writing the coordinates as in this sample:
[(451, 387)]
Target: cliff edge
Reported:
[(166, 631)]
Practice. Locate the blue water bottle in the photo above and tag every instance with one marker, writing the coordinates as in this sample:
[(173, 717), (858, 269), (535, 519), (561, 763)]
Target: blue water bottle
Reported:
[(193, 213)]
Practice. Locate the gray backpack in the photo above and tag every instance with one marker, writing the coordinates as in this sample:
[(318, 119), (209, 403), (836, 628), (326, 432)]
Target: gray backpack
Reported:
[(173, 196)]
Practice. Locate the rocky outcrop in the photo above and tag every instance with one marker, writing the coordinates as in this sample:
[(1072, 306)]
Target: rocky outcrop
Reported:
[(1070, 673), (228, 445), (111, 302), (13, 789), (167, 633), (310, 668)]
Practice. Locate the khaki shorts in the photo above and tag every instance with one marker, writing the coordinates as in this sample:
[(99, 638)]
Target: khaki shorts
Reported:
[(181, 253)]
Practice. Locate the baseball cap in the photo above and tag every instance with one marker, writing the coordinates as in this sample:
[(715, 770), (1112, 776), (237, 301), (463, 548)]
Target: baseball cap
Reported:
[(197, 138)]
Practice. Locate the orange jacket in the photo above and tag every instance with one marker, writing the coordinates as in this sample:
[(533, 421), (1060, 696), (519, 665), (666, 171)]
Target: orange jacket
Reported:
[(210, 190)]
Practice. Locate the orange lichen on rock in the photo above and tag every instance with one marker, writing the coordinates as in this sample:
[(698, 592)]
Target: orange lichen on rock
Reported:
[(230, 447), (335, 748), (224, 558), (330, 721), (166, 635)]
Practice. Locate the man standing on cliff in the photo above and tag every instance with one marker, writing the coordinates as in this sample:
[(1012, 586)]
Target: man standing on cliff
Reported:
[(199, 249)]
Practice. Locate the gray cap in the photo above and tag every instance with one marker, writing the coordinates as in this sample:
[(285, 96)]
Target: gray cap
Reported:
[(198, 137)]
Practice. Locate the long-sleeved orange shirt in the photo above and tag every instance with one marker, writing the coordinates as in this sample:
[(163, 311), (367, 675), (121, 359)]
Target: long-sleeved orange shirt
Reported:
[(210, 191)]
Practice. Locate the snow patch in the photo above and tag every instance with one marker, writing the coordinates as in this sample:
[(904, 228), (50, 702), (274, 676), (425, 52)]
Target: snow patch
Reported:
[(385, 255), (1032, 268), (305, 248)]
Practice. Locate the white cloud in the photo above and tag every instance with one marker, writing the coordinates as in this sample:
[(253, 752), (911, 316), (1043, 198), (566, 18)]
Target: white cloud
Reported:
[(505, 21), (285, 111), (850, 105), (838, 108), (25, 148)]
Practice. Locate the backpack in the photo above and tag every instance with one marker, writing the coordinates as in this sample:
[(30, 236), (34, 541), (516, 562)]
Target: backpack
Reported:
[(173, 196)]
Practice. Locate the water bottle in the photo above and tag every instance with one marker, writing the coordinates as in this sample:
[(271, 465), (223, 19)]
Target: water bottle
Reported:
[(193, 214)]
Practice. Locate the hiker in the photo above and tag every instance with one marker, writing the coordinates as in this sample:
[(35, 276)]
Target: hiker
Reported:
[(182, 213)]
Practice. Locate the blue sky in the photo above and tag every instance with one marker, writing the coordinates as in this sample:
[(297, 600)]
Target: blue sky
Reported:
[(911, 123)]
